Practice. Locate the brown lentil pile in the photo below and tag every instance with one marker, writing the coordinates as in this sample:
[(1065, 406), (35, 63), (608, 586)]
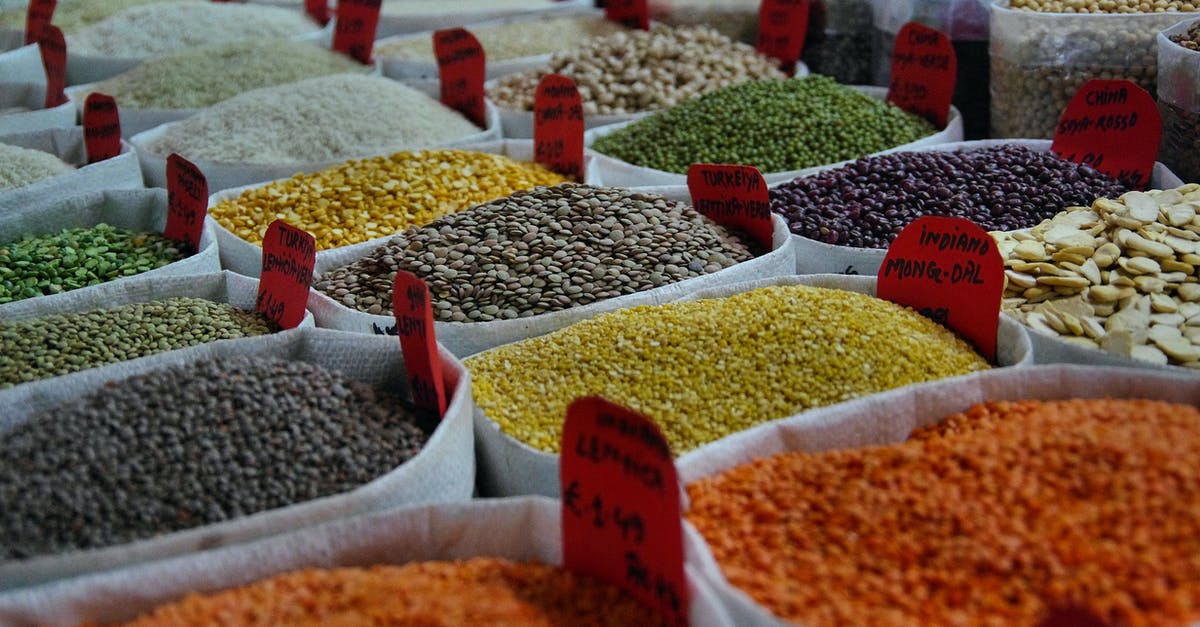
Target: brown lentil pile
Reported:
[(1104, 6), (1189, 39), (364, 199), (709, 368), (992, 517), (479, 591)]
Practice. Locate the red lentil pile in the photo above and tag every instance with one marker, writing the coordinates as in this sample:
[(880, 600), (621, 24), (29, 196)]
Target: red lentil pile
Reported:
[(992, 517), (481, 591)]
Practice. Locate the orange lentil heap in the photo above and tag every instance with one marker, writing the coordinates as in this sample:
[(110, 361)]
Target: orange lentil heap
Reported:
[(480, 591), (992, 517)]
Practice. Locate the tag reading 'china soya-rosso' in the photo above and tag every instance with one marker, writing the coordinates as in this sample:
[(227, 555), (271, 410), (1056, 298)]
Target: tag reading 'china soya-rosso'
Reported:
[(414, 324), (950, 270), (354, 31), (288, 257), (734, 196), (53, 49), (38, 14), (631, 13), (620, 505), (101, 127), (461, 69), (1112, 126), (782, 26), (187, 201), (924, 69), (558, 126), (318, 10)]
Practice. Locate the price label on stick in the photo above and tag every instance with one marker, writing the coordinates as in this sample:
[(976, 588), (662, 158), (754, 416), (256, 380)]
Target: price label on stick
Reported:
[(414, 324), (53, 49), (620, 505), (39, 14), (354, 31), (1112, 126), (187, 201), (950, 270), (558, 126), (734, 196), (782, 26), (631, 13), (287, 267), (461, 66), (102, 128), (319, 11), (923, 73)]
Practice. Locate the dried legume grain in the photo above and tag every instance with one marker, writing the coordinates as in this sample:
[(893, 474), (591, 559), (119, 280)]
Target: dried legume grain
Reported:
[(709, 368), (990, 518), (191, 445), (511, 40), (547, 249), (22, 166), (1104, 6), (72, 15), (1190, 38)]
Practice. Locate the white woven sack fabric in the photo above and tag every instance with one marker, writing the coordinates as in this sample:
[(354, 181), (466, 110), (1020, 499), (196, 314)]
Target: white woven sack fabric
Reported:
[(443, 471), (225, 175), (32, 96), (890, 417), (813, 257), (521, 529), (509, 467), (467, 338), (119, 172), (18, 62), (398, 17), (1052, 350), (613, 171)]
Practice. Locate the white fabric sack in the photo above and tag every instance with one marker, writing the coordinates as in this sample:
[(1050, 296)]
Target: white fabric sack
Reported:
[(18, 62), (890, 417), (443, 471), (225, 175), (119, 172), (467, 338), (395, 18), (245, 258), (509, 467), (524, 529), (32, 96), (613, 171), (813, 257)]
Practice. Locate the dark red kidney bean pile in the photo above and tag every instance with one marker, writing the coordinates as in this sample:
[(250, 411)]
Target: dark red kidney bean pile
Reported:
[(865, 204)]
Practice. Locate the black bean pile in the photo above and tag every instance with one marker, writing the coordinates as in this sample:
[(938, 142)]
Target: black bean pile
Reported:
[(867, 203), (193, 445)]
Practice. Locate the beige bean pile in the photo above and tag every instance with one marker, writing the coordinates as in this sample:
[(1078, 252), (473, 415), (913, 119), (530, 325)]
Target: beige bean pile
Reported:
[(1104, 6), (22, 166), (511, 40), (1119, 276)]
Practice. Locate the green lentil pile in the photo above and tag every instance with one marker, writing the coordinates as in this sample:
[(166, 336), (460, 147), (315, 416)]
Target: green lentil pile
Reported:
[(774, 125), (37, 265), (64, 343), (706, 369)]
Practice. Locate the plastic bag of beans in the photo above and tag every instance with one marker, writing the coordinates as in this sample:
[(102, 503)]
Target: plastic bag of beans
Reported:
[(441, 470), (467, 338), (519, 530), (119, 172), (890, 418), (509, 466), (839, 40), (22, 109), (1179, 98)]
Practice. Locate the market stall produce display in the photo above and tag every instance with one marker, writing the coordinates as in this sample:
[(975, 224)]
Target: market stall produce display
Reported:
[(22, 166)]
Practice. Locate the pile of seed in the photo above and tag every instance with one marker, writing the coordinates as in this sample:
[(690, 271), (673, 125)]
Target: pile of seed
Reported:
[(865, 204), (60, 344), (36, 265), (511, 40), (318, 119), (1105, 6), (466, 7), (364, 199), (1119, 276), (478, 591), (995, 517), (23, 166), (709, 368), (548, 249), (72, 15), (634, 71), (1190, 38), (192, 445), (774, 125), (205, 75), (157, 28)]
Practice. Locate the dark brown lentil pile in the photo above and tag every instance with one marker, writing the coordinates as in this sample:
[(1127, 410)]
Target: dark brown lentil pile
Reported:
[(1189, 39)]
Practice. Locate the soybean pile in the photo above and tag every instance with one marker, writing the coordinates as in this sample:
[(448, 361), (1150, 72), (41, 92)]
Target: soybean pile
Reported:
[(193, 445), (705, 369), (24, 166), (994, 516), (773, 125), (37, 265), (542, 250)]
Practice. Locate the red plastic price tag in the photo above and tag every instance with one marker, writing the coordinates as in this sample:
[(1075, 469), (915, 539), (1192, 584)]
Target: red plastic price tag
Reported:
[(101, 128), (782, 26), (187, 201), (1112, 126), (923, 73), (414, 324), (558, 126), (39, 14), (461, 67), (53, 49), (288, 258), (631, 13), (354, 31), (734, 196), (950, 270), (319, 11), (620, 505)]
